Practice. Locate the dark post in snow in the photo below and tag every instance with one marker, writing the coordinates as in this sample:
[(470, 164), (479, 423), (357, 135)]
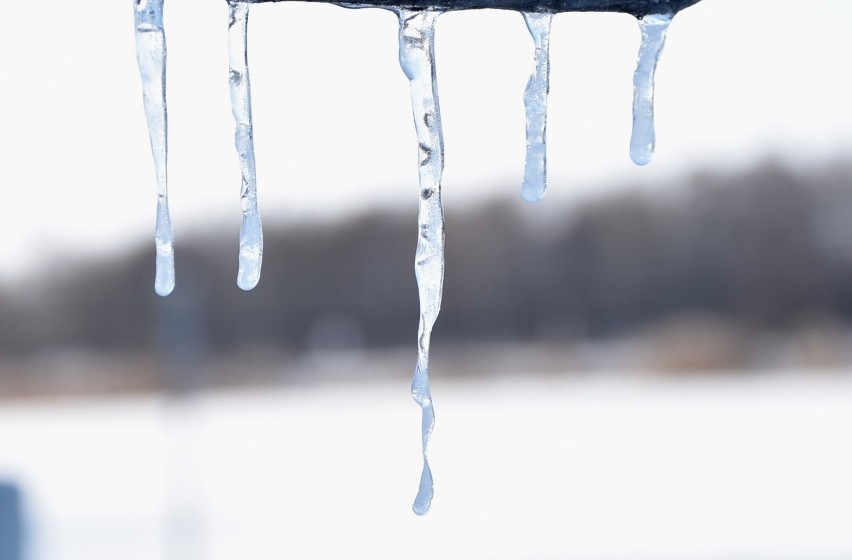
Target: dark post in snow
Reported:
[(637, 8), (11, 526)]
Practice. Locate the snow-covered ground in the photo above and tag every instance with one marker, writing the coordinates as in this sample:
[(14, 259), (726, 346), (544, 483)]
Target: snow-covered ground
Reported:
[(603, 466)]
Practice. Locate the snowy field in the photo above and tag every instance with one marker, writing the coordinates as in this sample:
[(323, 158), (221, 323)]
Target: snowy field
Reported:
[(542, 468)]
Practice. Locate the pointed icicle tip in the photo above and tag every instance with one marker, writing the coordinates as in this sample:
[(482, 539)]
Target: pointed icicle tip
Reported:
[(425, 493), (163, 290), (643, 139), (417, 58)]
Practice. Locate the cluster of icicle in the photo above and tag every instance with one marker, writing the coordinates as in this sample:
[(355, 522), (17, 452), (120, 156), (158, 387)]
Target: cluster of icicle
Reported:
[(151, 56), (417, 58)]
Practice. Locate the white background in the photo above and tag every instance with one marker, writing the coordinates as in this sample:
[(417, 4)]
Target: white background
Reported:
[(608, 467), (739, 80), (535, 469)]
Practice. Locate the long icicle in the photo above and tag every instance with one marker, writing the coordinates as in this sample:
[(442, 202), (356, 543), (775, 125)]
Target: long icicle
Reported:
[(151, 57), (251, 232), (644, 140), (535, 102), (417, 58)]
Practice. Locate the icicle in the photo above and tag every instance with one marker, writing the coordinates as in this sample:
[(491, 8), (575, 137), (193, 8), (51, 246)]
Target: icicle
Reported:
[(535, 101), (643, 140), (251, 232), (151, 56), (417, 58)]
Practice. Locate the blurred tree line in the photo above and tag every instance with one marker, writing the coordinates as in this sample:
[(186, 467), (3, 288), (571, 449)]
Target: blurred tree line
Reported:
[(765, 248)]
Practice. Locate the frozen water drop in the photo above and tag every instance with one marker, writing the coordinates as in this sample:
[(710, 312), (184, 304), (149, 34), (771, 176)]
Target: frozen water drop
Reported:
[(251, 232), (151, 57), (535, 101), (417, 58), (164, 279), (251, 251), (643, 140)]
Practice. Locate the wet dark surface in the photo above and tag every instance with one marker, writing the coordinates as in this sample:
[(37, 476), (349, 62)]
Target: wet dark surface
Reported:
[(637, 8)]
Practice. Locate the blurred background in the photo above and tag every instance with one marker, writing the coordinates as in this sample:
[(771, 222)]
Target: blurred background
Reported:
[(651, 363)]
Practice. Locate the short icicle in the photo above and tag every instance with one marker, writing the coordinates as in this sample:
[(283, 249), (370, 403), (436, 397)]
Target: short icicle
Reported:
[(251, 232), (151, 57), (535, 101), (417, 58), (643, 140)]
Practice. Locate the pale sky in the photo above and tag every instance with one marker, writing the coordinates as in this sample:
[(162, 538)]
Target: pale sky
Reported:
[(739, 79)]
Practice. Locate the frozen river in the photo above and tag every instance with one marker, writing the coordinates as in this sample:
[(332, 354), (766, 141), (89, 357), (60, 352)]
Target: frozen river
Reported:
[(539, 468)]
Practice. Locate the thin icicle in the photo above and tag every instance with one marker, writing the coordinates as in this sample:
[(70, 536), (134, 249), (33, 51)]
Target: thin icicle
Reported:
[(251, 232), (535, 101), (151, 56), (643, 140), (417, 58)]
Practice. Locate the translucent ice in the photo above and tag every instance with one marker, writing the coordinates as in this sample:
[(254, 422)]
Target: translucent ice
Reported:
[(643, 140), (535, 101), (251, 232), (151, 56), (417, 58)]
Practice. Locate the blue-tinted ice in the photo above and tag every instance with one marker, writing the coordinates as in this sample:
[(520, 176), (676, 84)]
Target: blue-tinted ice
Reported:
[(251, 232), (644, 140), (151, 57), (417, 58), (535, 102)]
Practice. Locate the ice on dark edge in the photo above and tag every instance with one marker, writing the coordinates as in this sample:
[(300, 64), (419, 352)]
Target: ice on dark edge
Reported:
[(534, 186), (417, 58), (643, 139), (151, 57), (251, 232)]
